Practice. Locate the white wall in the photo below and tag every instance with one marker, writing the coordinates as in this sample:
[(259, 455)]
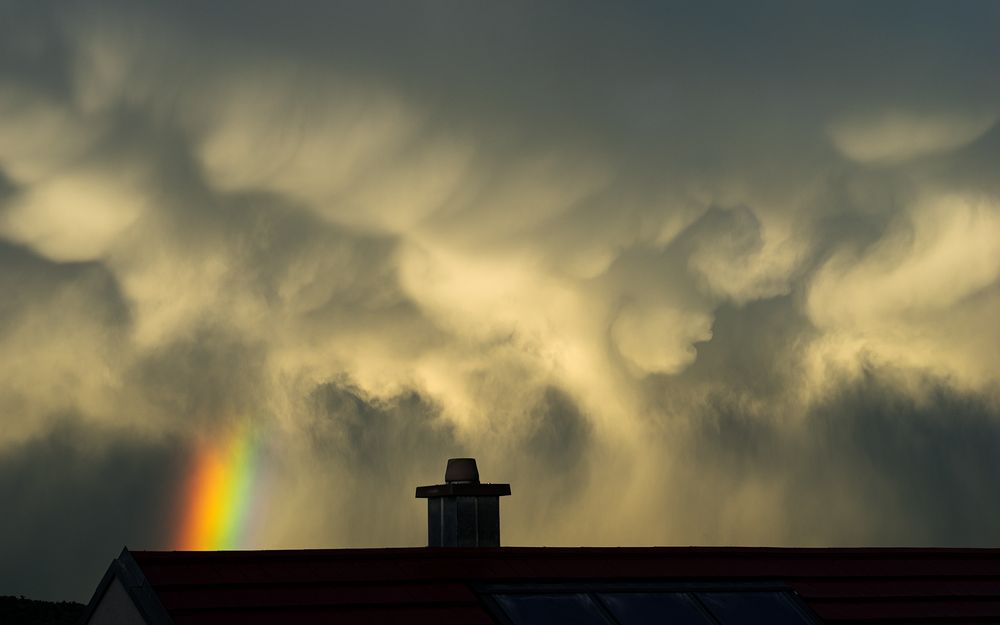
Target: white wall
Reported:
[(116, 608)]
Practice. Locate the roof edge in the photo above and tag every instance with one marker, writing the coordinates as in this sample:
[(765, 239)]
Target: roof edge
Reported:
[(125, 569), (102, 588), (521, 551), (141, 591), (462, 489)]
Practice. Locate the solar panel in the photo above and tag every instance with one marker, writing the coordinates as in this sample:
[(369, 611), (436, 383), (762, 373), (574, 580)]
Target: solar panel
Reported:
[(554, 609), (752, 608), (642, 608)]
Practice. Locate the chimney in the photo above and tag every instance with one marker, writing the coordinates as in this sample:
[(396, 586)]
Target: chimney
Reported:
[(462, 512)]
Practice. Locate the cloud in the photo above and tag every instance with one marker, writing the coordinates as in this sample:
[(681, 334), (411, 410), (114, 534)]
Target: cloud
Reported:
[(65, 494), (915, 294), (901, 135), (868, 459), (659, 340), (680, 271), (930, 259), (61, 325), (73, 217)]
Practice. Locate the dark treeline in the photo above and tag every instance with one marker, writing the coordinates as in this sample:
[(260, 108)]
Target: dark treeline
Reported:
[(21, 611)]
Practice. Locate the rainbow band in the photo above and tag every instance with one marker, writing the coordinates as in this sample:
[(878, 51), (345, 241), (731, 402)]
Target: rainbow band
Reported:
[(217, 496)]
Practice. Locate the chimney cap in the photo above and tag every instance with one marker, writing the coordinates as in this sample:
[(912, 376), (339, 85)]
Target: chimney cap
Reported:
[(461, 471), (462, 480)]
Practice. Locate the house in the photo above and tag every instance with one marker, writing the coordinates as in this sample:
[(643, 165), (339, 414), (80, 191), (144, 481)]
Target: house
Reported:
[(464, 576)]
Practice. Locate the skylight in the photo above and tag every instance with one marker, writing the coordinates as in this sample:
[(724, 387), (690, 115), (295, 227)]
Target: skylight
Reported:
[(643, 605)]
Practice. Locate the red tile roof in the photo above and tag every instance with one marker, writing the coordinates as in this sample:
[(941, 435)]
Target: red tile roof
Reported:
[(423, 585)]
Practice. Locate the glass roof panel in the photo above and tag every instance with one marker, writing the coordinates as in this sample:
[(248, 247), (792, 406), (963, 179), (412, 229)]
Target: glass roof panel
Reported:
[(662, 608), (553, 609), (752, 608)]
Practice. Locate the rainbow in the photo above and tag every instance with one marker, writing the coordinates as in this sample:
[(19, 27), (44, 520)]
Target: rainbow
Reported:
[(217, 496)]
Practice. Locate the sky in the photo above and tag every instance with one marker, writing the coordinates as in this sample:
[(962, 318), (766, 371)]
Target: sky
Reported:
[(683, 273)]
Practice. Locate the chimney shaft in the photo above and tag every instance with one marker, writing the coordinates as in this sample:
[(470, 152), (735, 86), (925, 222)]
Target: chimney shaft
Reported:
[(462, 512)]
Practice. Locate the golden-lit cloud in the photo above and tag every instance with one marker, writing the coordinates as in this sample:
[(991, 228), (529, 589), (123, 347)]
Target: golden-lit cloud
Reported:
[(73, 217), (902, 299), (931, 258), (898, 135)]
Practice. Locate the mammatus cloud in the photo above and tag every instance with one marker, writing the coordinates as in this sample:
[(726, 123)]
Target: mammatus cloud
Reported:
[(696, 275), (894, 136)]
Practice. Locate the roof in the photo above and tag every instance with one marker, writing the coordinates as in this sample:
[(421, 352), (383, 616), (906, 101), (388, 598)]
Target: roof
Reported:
[(443, 585)]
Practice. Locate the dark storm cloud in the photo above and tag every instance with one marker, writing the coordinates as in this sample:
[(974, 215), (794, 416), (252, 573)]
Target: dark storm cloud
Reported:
[(871, 464), (692, 271), (627, 78), (7, 187), (771, 331), (558, 433), (32, 50), (73, 497), (530, 44), (551, 461), (377, 437), (31, 282), (366, 466), (374, 451), (61, 325), (887, 456), (932, 456), (210, 375)]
